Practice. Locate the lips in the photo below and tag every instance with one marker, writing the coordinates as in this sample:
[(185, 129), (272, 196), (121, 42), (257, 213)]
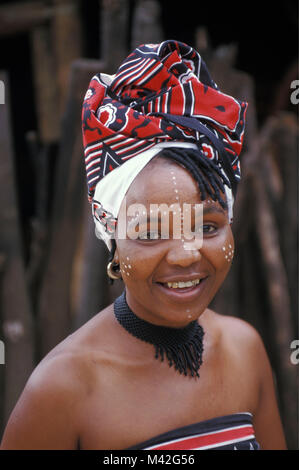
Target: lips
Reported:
[(182, 284), (180, 290), (182, 278)]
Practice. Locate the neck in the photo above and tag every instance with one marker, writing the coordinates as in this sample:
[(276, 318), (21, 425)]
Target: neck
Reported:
[(151, 317), (181, 347)]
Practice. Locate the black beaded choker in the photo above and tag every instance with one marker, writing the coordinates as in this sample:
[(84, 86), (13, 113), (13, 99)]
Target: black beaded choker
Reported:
[(183, 347)]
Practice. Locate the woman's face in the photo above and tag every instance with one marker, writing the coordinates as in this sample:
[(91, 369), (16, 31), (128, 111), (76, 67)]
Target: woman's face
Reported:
[(149, 264)]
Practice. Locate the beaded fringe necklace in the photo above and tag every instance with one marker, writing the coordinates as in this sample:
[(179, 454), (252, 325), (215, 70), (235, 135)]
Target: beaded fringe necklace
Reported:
[(182, 347)]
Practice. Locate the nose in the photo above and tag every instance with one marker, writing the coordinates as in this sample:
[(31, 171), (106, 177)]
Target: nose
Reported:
[(183, 253)]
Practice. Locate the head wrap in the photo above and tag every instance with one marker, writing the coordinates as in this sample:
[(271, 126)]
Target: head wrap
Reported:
[(162, 95)]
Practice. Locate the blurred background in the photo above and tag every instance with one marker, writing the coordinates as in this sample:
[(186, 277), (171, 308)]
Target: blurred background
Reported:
[(52, 267)]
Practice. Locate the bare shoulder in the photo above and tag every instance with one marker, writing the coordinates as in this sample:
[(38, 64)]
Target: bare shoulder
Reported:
[(68, 369), (236, 333), (46, 414), (246, 356), (242, 346), (63, 370)]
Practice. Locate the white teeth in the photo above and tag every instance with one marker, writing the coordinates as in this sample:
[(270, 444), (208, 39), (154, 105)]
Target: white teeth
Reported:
[(181, 284)]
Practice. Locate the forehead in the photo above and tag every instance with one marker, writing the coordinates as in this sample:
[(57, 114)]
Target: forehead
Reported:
[(163, 180)]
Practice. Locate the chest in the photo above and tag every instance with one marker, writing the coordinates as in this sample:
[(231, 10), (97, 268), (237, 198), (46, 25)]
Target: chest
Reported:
[(128, 406)]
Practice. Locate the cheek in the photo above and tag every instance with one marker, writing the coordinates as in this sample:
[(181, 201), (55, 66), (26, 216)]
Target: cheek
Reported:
[(136, 262), (222, 251), (226, 252), (125, 267)]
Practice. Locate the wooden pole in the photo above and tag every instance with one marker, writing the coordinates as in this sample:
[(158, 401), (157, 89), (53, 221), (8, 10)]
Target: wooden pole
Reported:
[(114, 27), (146, 24), (54, 316), (67, 45), (46, 86), (20, 17), (17, 321)]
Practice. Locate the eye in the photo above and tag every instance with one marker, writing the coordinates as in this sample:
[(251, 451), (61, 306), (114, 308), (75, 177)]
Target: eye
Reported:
[(208, 228), (149, 236)]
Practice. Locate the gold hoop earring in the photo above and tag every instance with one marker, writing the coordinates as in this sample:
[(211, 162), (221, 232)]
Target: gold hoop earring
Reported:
[(110, 271)]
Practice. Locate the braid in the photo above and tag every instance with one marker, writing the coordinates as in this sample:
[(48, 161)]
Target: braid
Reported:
[(207, 173), (187, 162)]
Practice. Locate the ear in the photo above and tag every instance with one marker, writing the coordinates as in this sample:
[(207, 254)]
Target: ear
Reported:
[(116, 256)]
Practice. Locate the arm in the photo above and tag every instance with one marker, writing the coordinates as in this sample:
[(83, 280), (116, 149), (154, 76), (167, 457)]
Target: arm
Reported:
[(45, 415)]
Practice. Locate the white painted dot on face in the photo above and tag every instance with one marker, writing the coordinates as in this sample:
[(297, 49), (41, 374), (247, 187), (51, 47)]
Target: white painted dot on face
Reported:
[(128, 258), (189, 316), (128, 274), (129, 266), (223, 248)]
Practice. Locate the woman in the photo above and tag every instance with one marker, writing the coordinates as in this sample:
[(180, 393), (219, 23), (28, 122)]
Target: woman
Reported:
[(157, 368)]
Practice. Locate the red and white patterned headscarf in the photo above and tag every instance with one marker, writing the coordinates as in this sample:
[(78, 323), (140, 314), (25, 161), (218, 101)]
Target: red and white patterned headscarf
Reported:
[(162, 95)]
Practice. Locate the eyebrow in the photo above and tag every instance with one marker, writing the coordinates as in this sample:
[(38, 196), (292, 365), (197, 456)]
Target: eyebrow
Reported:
[(209, 210)]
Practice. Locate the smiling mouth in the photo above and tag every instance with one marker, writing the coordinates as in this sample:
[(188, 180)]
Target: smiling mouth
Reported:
[(181, 284), (181, 287)]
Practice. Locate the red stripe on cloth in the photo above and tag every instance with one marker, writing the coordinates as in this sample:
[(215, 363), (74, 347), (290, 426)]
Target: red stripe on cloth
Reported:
[(208, 439)]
